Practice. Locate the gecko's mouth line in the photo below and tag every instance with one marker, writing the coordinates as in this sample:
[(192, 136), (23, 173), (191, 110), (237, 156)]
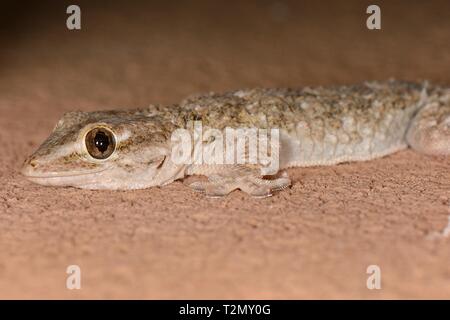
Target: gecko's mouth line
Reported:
[(62, 175)]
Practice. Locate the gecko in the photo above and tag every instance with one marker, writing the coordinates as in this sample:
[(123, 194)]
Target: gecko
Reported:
[(318, 126)]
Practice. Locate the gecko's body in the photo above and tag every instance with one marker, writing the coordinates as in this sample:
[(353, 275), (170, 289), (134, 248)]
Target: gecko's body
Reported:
[(318, 126)]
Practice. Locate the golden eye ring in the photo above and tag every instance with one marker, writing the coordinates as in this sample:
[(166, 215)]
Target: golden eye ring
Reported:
[(100, 143)]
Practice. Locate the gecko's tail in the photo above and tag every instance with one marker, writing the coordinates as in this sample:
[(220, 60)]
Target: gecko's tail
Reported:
[(429, 132)]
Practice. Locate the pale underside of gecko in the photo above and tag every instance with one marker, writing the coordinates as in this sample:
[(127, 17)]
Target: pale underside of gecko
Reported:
[(131, 149)]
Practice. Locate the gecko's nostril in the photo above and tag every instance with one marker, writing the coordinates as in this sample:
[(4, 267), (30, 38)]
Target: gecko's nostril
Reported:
[(29, 166), (33, 163)]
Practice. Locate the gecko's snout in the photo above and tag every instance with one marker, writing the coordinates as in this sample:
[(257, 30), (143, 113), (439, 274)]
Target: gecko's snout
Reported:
[(29, 167)]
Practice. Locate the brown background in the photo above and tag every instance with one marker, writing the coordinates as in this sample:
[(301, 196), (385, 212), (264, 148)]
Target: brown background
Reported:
[(312, 241)]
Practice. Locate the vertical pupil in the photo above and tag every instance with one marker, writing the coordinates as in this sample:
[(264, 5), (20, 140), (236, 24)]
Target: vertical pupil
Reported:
[(101, 141)]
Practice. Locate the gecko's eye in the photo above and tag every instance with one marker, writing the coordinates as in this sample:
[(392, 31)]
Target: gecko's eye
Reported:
[(100, 143)]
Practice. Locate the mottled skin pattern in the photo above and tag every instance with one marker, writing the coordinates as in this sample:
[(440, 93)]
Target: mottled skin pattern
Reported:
[(319, 126)]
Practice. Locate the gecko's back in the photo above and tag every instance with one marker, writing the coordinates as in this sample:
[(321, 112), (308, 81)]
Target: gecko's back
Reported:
[(321, 125)]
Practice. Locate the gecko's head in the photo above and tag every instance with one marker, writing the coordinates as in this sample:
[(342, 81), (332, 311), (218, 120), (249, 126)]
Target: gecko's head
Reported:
[(102, 150)]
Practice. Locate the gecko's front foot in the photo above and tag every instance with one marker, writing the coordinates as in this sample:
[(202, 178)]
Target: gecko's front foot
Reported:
[(219, 185)]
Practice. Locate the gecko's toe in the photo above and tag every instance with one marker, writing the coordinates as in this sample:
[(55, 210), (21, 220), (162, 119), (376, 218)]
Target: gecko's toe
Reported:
[(198, 186), (274, 185), (261, 194), (262, 188), (212, 189)]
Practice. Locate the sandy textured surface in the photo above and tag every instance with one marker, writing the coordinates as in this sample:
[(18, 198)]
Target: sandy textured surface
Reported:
[(312, 241)]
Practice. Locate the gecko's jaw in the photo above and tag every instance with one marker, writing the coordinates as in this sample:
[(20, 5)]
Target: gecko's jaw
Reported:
[(49, 175), (76, 179), (31, 171)]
